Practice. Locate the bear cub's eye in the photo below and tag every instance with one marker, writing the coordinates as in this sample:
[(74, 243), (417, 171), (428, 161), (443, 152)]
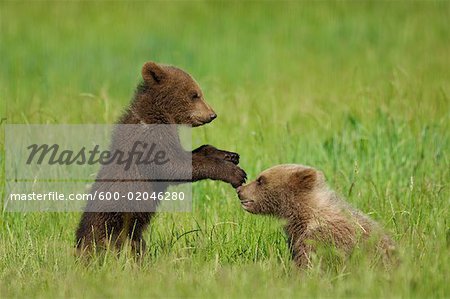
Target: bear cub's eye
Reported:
[(195, 96)]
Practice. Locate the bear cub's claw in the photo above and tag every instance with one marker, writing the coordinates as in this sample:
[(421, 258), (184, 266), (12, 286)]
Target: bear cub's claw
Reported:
[(231, 157), (238, 178)]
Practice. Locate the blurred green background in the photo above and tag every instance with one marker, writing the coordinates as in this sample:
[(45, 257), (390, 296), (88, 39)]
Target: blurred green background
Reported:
[(358, 89)]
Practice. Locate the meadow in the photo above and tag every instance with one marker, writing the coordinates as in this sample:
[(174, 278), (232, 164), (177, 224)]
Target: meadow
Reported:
[(358, 89)]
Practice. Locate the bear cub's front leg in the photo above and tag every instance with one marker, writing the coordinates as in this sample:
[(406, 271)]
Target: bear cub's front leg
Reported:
[(209, 162)]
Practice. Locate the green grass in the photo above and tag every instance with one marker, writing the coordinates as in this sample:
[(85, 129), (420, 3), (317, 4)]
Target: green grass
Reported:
[(359, 89)]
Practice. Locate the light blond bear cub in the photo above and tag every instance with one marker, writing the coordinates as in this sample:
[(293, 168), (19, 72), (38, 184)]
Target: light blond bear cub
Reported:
[(314, 214)]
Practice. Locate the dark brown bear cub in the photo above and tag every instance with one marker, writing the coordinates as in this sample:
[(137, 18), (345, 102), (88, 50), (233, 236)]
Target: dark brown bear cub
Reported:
[(167, 95), (315, 215)]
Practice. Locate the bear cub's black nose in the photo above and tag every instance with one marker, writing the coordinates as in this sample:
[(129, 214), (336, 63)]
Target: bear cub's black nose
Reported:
[(213, 116)]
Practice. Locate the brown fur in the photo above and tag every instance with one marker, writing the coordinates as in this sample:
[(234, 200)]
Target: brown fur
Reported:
[(314, 215), (168, 95)]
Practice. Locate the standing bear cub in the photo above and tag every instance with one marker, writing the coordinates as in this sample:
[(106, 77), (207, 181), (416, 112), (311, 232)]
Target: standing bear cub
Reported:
[(315, 216), (167, 96)]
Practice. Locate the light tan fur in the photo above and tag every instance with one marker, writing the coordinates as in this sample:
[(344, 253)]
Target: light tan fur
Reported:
[(314, 214)]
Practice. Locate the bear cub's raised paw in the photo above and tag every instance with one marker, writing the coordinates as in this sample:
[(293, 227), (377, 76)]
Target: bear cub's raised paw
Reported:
[(212, 152)]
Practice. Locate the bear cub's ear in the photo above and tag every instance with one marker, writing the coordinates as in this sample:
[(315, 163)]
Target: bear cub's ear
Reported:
[(152, 73), (306, 178)]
